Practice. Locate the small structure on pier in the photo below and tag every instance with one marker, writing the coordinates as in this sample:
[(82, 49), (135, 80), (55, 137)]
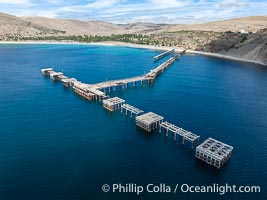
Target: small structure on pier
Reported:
[(46, 71), (214, 152), (55, 75), (149, 121), (83, 92), (99, 95), (163, 54), (68, 82), (62, 76), (86, 91), (113, 104), (186, 135), (131, 109)]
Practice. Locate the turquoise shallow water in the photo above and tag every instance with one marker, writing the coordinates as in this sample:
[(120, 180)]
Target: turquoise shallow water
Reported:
[(56, 145)]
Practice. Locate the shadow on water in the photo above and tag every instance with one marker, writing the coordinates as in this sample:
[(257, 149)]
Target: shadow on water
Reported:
[(146, 135), (167, 140), (210, 170)]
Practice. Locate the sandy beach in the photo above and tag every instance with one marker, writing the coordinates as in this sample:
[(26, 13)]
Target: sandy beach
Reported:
[(124, 44), (152, 47)]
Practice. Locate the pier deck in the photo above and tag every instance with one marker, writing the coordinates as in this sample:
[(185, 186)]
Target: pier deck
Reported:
[(155, 72), (163, 54), (93, 91), (113, 104), (124, 82), (46, 71), (55, 75), (214, 152), (119, 82), (68, 82), (97, 94), (186, 135), (131, 109), (83, 92), (149, 121), (210, 151)]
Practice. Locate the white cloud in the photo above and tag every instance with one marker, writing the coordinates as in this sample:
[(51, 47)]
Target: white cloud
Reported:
[(167, 4), (102, 4), (232, 4), (172, 11), (16, 2), (49, 14), (55, 2), (125, 11)]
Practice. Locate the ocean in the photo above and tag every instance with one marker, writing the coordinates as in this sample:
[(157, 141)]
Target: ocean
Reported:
[(55, 145)]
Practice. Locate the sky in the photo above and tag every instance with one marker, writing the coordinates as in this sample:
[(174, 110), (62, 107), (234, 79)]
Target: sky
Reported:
[(130, 11)]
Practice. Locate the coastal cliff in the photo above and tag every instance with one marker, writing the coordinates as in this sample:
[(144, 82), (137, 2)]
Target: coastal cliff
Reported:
[(248, 46)]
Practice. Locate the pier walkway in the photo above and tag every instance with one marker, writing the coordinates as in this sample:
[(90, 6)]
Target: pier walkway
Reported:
[(98, 91), (163, 54), (150, 76), (155, 72), (186, 135), (211, 151), (131, 109)]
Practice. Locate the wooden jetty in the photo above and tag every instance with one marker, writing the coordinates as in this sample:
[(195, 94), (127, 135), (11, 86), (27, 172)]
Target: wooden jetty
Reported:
[(131, 109), (214, 152), (113, 104), (163, 54), (186, 135), (149, 121)]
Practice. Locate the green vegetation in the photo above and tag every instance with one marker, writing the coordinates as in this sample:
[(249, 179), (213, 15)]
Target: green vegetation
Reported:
[(130, 38), (185, 39)]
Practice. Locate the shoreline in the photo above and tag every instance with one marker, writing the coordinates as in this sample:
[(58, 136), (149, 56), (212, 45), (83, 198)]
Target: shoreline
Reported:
[(108, 43), (226, 57), (140, 46)]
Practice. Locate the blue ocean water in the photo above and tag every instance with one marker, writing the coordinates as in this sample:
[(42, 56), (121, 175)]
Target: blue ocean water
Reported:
[(56, 145)]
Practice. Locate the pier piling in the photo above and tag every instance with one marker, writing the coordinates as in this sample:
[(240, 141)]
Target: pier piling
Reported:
[(186, 135)]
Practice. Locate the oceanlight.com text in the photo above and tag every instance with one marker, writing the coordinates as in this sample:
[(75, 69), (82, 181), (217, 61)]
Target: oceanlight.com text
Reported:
[(179, 188)]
